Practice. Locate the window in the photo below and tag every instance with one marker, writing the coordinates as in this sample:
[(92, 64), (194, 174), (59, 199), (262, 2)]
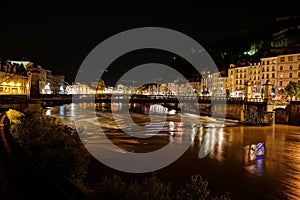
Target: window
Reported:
[(273, 68), (299, 57), (280, 68), (291, 67), (267, 76), (267, 69), (290, 58), (263, 76), (268, 62), (263, 62), (273, 61), (298, 84), (290, 75), (299, 66), (280, 83), (281, 59), (298, 74), (273, 75)]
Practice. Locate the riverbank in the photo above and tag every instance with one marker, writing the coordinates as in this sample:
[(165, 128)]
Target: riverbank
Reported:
[(57, 150)]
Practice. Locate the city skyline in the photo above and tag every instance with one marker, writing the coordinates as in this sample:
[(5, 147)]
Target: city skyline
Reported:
[(59, 36)]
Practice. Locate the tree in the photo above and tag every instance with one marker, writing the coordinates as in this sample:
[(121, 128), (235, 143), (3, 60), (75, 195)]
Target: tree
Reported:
[(227, 93), (292, 90)]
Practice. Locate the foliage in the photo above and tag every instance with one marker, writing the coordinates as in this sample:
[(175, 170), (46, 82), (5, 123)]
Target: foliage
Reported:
[(196, 189), (146, 189), (14, 116), (227, 93), (292, 90), (59, 152), (152, 188)]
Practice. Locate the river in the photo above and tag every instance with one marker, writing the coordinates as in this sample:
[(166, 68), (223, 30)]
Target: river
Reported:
[(250, 162)]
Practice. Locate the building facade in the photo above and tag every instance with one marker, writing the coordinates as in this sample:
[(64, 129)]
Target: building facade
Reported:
[(280, 70), (13, 78)]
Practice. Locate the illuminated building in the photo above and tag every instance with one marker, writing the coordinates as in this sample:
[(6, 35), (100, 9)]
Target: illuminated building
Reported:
[(280, 70), (13, 78)]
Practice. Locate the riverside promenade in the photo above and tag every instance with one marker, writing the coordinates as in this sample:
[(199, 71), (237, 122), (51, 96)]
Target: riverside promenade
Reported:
[(21, 179)]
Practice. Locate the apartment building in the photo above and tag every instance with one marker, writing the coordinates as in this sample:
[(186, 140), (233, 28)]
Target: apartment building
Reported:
[(280, 70)]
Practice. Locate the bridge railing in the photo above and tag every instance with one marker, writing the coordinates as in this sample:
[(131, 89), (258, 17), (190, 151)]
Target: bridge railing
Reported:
[(11, 99), (124, 97)]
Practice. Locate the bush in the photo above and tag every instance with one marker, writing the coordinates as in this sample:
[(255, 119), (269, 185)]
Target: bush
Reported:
[(146, 189), (152, 188), (58, 152)]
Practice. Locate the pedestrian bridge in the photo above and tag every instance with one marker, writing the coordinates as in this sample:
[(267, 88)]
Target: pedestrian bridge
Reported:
[(206, 104), (20, 102)]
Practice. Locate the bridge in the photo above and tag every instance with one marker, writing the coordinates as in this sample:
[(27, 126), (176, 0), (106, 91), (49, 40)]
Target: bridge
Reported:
[(235, 106), (240, 108), (59, 99)]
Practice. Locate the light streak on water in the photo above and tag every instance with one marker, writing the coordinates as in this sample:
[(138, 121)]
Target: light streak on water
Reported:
[(250, 162)]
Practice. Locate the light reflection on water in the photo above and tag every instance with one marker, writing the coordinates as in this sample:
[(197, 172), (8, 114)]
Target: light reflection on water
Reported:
[(250, 162)]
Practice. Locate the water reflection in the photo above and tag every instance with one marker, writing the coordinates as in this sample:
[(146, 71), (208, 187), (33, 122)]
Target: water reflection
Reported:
[(250, 162)]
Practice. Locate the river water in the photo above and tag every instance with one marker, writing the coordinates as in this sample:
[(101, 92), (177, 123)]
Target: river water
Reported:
[(250, 162)]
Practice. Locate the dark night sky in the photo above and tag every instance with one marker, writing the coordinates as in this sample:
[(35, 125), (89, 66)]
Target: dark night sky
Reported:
[(58, 35)]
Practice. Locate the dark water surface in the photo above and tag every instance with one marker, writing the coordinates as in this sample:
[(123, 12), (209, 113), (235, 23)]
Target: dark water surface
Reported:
[(250, 162)]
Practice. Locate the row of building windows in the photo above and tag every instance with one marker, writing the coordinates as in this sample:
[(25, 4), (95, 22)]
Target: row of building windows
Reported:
[(281, 68), (263, 76), (281, 59), (280, 83)]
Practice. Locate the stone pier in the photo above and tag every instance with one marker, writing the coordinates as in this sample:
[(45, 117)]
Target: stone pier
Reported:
[(34, 100)]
